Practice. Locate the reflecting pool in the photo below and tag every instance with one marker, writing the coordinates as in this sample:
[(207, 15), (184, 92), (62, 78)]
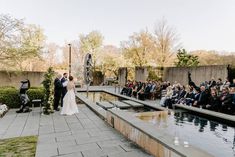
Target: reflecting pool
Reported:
[(216, 138), (100, 96)]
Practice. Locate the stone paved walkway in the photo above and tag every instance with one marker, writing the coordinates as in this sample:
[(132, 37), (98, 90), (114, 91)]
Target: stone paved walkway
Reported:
[(80, 135)]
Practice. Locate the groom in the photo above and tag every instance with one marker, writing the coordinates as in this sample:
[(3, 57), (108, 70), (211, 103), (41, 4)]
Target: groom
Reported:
[(64, 82)]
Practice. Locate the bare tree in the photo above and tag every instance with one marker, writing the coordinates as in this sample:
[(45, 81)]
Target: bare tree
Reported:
[(51, 54), (166, 43)]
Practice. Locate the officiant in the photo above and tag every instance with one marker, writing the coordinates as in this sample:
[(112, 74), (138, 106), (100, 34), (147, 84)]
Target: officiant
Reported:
[(57, 91)]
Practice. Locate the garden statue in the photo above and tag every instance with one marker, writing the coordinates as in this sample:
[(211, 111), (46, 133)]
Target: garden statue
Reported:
[(88, 70), (25, 85)]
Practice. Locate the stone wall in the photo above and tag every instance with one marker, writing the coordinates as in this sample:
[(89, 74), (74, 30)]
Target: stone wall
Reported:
[(199, 74), (122, 76), (13, 78), (141, 73)]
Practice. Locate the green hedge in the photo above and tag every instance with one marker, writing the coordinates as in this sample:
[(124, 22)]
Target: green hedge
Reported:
[(10, 95)]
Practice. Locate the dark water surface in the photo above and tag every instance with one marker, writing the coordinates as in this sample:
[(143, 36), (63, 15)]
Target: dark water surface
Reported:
[(215, 138), (100, 96)]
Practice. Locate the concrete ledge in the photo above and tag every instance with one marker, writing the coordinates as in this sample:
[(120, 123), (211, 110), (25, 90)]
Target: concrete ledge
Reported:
[(98, 110), (156, 142), (128, 98), (220, 116)]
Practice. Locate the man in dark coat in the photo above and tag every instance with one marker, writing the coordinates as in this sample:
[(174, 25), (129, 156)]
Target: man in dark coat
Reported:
[(57, 91), (214, 101), (226, 101), (203, 97), (64, 82)]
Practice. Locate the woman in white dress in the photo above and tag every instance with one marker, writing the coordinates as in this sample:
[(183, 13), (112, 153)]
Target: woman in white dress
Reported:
[(69, 102)]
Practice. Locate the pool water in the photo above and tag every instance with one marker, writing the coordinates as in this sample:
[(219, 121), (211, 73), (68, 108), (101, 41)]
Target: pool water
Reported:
[(213, 137), (101, 96)]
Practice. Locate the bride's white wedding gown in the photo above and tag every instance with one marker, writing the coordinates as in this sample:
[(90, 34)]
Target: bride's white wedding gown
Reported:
[(69, 102)]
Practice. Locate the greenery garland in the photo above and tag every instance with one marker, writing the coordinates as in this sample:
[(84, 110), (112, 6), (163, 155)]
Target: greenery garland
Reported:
[(48, 87)]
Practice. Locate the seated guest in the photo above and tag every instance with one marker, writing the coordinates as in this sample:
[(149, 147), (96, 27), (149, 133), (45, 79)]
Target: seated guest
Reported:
[(225, 84), (124, 89), (212, 83), (135, 89), (140, 93), (157, 93), (129, 89), (233, 84), (232, 92), (173, 99), (203, 98), (169, 93), (196, 96), (153, 90), (189, 96), (164, 85), (214, 101), (226, 101), (219, 83), (182, 93), (147, 90)]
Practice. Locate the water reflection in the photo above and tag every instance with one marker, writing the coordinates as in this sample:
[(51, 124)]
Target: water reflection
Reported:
[(100, 96), (194, 130), (154, 117), (213, 125), (234, 143)]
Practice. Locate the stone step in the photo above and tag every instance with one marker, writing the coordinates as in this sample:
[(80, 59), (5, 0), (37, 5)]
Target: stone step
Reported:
[(105, 105), (133, 103), (120, 104)]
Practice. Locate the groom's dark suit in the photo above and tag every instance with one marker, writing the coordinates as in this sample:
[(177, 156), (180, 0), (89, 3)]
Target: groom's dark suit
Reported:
[(64, 90), (57, 92)]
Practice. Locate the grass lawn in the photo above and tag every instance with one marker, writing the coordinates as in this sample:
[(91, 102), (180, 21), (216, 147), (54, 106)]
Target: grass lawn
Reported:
[(18, 147)]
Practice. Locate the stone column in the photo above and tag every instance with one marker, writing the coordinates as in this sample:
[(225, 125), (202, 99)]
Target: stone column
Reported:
[(122, 76), (141, 74)]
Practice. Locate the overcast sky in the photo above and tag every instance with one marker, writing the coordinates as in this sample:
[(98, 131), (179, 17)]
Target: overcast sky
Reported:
[(202, 24)]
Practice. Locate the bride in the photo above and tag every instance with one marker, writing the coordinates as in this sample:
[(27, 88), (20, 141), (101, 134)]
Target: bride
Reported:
[(70, 106)]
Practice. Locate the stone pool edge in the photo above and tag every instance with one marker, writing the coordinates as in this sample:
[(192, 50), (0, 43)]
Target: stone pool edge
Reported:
[(128, 125)]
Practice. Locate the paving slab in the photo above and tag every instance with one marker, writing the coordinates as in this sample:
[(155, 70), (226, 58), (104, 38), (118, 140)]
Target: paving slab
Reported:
[(78, 154), (81, 135), (129, 154), (47, 153)]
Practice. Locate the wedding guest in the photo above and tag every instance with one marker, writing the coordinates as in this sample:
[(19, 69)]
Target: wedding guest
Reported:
[(214, 101), (226, 100)]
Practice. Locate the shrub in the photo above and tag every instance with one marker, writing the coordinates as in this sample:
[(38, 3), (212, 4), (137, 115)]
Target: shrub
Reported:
[(10, 96)]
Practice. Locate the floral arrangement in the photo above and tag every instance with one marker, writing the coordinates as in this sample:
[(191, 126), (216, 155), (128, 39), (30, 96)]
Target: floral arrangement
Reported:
[(3, 109)]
